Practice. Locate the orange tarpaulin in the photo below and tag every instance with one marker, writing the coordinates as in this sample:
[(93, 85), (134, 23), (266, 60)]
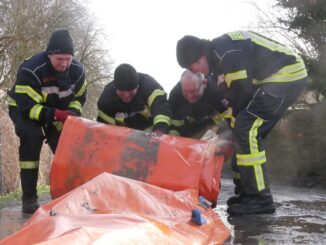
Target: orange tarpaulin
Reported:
[(87, 148), (114, 210)]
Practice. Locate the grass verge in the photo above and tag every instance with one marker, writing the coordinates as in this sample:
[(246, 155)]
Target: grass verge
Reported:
[(17, 194)]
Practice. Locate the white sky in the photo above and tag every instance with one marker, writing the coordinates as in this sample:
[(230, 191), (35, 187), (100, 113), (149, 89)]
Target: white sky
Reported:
[(144, 33)]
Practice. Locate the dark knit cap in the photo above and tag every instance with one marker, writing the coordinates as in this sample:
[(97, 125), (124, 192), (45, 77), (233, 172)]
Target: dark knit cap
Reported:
[(125, 77), (60, 43), (189, 50)]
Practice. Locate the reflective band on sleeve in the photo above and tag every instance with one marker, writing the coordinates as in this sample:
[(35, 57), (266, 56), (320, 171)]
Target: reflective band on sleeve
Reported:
[(76, 105), (120, 120), (11, 101), (21, 89), (162, 119), (146, 112), (106, 118), (230, 77), (269, 44), (34, 112), (286, 74), (81, 90), (152, 97), (177, 123), (58, 125), (174, 132), (239, 35)]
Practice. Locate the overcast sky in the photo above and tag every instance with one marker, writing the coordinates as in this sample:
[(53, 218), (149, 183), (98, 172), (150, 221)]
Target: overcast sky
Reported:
[(144, 33)]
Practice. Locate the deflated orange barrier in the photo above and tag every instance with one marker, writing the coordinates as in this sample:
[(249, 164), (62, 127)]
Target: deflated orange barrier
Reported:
[(114, 210), (87, 149)]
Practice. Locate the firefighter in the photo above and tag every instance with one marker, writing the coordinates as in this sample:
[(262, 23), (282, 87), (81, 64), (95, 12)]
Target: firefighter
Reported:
[(196, 104), (135, 100), (263, 78), (49, 87)]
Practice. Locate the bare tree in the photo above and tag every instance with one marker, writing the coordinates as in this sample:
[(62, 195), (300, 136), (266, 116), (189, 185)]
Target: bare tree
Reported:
[(25, 27), (301, 24)]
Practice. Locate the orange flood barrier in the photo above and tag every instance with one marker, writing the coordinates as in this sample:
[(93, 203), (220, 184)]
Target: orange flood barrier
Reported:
[(115, 210), (87, 149)]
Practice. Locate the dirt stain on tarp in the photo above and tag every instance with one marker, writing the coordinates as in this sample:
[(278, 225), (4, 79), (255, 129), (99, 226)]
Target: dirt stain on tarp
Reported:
[(138, 156)]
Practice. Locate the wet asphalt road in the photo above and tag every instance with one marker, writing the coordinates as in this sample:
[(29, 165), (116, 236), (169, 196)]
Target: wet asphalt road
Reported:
[(300, 217)]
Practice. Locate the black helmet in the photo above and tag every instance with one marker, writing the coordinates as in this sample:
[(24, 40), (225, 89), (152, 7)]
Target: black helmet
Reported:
[(189, 50), (126, 77)]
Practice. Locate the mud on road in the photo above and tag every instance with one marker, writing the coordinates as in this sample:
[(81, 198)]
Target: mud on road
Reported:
[(300, 217)]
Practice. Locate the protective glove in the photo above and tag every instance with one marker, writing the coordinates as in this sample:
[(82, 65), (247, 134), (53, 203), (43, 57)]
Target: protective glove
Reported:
[(61, 115)]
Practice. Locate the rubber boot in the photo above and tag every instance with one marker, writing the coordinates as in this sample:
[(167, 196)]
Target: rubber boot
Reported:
[(29, 198), (261, 203), (237, 191)]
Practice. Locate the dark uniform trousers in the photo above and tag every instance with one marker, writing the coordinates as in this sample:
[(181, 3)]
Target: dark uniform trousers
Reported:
[(31, 135), (252, 124)]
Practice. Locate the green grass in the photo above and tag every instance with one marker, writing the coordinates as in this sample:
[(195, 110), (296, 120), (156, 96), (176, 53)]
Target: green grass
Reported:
[(17, 194)]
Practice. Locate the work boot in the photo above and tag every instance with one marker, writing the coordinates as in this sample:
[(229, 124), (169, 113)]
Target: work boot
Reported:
[(261, 203), (237, 191), (235, 199), (29, 183), (29, 206)]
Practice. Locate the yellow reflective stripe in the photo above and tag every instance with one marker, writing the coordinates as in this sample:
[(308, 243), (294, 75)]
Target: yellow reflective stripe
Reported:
[(76, 105), (251, 159), (259, 175), (28, 164), (81, 90), (174, 132), (238, 35), (228, 113), (177, 123), (286, 74), (11, 101), (119, 120), (256, 158), (152, 97), (22, 89), (58, 125), (294, 68), (161, 119), (269, 44), (253, 143), (45, 97), (146, 112), (106, 118), (232, 121), (230, 77), (34, 112), (218, 117)]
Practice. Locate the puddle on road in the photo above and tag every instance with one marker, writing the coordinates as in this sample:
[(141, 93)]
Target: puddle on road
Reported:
[(300, 218), (11, 217)]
